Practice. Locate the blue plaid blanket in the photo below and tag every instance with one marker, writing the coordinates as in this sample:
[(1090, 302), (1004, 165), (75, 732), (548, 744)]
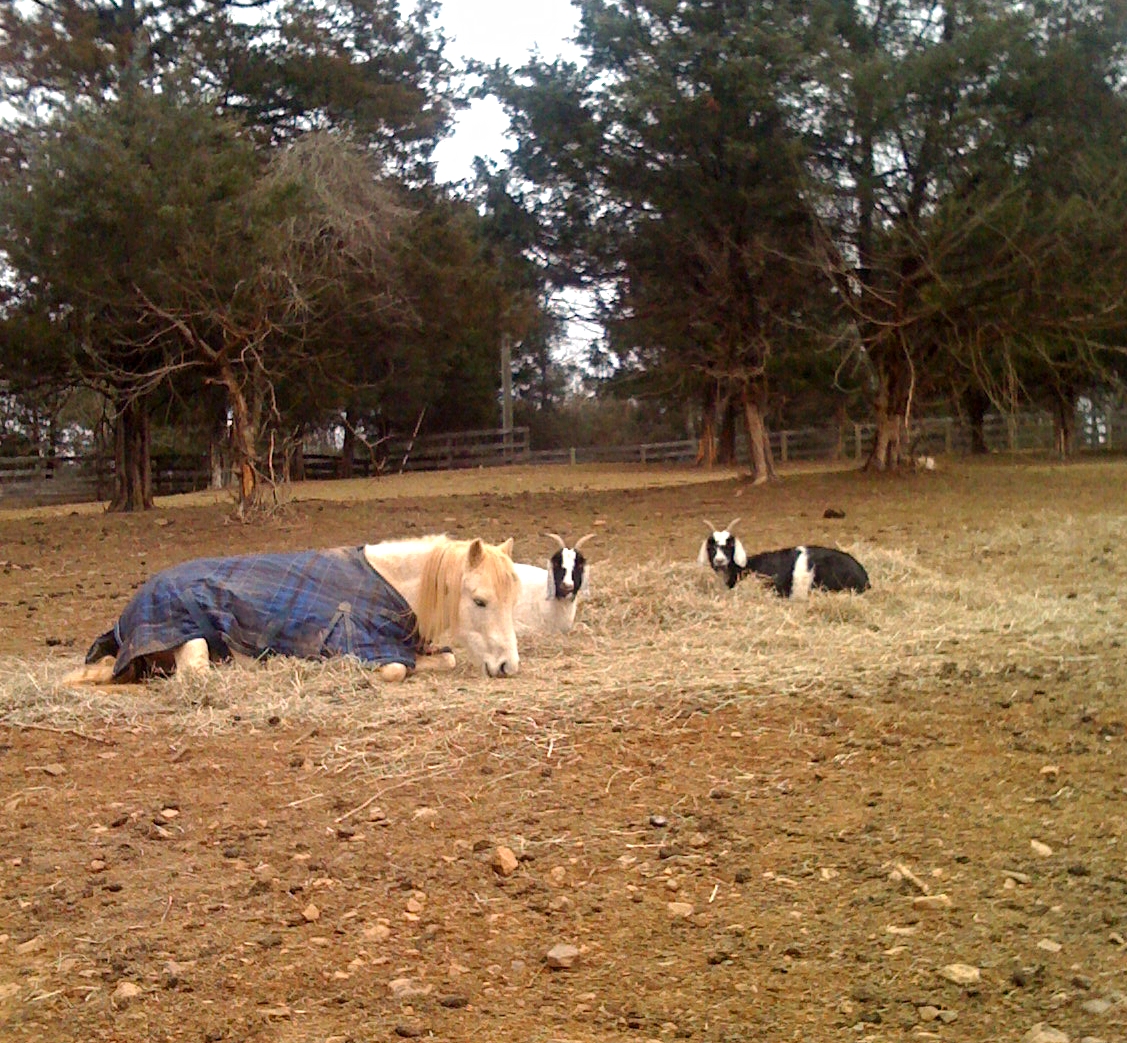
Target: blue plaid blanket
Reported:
[(311, 604)]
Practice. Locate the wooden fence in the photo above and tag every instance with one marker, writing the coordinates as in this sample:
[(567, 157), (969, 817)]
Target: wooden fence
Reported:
[(68, 479)]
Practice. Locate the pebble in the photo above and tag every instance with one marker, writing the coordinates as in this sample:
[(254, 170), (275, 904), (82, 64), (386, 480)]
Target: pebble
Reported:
[(54, 770), (931, 903), (1042, 1033), (1048, 945), (948, 1016), (961, 973), (680, 910), (31, 945), (1095, 1006), (504, 861), (928, 1012), (659, 821), (377, 932), (1040, 849), (410, 1029), (311, 913), (125, 992), (562, 956), (407, 988)]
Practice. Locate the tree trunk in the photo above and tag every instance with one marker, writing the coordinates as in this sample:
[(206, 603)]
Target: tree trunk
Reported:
[(217, 450), (348, 448), (726, 452), (1064, 423), (706, 444), (133, 471), (244, 440), (894, 396), (752, 398), (977, 403)]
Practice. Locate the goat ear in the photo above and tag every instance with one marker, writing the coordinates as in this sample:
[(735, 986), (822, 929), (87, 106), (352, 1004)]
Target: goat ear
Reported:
[(551, 582), (739, 556), (702, 557), (475, 555), (506, 548)]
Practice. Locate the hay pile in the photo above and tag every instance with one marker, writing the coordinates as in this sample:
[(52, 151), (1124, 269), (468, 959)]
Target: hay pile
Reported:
[(660, 635)]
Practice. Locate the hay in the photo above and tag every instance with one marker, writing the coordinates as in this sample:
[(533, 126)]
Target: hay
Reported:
[(663, 636)]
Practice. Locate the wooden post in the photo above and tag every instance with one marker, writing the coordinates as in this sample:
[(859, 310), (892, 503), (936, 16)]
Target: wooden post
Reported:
[(642, 453), (856, 441), (949, 435), (783, 447), (572, 453)]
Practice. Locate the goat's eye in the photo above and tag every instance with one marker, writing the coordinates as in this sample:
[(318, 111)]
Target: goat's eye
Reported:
[(480, 602)]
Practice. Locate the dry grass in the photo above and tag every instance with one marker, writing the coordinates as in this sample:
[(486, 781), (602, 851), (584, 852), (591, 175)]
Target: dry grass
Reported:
[(662, 634)]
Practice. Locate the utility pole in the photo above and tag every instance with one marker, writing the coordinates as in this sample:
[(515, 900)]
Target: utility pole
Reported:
[(507, 394)]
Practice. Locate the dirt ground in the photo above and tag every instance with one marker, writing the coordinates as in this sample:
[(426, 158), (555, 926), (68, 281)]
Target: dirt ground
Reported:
[(900, 816)]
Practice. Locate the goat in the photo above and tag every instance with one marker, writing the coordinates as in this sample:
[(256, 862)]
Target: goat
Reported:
[(792, 571), (549, 597)]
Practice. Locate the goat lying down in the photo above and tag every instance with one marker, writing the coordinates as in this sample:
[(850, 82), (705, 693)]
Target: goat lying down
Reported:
[(549, 597), (792, 571)]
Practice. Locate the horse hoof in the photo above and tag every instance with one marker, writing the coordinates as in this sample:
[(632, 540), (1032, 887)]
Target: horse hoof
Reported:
[(393, 672)]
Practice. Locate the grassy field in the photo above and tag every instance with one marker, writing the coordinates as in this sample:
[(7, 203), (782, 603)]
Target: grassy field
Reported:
[(752, 819)]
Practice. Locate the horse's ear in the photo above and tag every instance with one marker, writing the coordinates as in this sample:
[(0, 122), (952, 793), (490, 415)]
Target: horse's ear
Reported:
[(476, 554), (740, 555), (506, 548)]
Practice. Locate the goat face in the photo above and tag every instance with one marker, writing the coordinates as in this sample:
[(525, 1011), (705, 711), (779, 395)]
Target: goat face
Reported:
[(565, 573), (721, 550)]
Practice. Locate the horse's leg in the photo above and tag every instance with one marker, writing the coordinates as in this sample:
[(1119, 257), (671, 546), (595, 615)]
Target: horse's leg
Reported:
[(191, 657), (436, 662), (393, 672)]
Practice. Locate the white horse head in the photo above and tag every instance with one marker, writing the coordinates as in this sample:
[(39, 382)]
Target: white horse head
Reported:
[(461, 589)]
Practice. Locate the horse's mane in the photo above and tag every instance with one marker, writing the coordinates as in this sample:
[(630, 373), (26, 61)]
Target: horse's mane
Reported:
[(440, 586)]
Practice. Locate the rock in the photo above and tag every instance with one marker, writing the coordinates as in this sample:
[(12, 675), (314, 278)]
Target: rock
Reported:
[(562, 956), (1048, 945), (168, 814), (1042, 1033), (425, 814), (454, 1001), (1082, 981), (928, 1012), (31, 945), (1096, 1007), (124, 993), (414, 905), (504, 861), (948, 1016), (410, 1029), (833, 512), (96, 865), (1021, 878), (931, 903), (379, 932), (1042, 850), (961, 973), (698, 840), (310, 914), (557, 875), (659, 821), (408, 988), (680, 910)]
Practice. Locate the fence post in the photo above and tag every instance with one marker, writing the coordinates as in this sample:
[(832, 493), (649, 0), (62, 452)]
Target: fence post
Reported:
[(856, 441), (783, 446), (571, 453), (949, 435), (642, 453)]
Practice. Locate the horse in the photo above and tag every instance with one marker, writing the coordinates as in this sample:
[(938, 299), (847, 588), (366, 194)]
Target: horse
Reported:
[(385, 603)]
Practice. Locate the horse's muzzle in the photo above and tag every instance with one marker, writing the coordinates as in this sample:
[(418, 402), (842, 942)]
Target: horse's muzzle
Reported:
[(505, 668)]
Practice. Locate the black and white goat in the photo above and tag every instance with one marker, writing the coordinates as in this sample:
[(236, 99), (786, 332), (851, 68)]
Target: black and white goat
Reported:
[(549, 597), (792, 571)]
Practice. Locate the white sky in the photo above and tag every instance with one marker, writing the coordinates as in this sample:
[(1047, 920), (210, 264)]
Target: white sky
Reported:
[(492, 30)]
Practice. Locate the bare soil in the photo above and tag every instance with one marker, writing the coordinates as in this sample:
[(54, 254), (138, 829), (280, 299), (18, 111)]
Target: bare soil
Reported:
[(753, 820)]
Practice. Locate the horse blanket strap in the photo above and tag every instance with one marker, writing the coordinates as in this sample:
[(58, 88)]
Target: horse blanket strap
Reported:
[(310, 604)]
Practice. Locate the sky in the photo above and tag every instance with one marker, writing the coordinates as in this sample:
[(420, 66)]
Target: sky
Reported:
[(492, 30)]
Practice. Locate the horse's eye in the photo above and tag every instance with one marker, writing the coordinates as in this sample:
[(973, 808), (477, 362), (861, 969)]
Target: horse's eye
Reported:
[(480, 602)]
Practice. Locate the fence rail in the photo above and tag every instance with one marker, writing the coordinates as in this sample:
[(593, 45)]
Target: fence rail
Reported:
[(75, 479)]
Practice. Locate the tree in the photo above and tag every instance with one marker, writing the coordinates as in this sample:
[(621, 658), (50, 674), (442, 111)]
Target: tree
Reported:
[(677, 153)]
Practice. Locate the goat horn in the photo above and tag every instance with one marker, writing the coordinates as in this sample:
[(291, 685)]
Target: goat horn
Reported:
[(711, 527), (732, 524), (558, 539), (583, 539)]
